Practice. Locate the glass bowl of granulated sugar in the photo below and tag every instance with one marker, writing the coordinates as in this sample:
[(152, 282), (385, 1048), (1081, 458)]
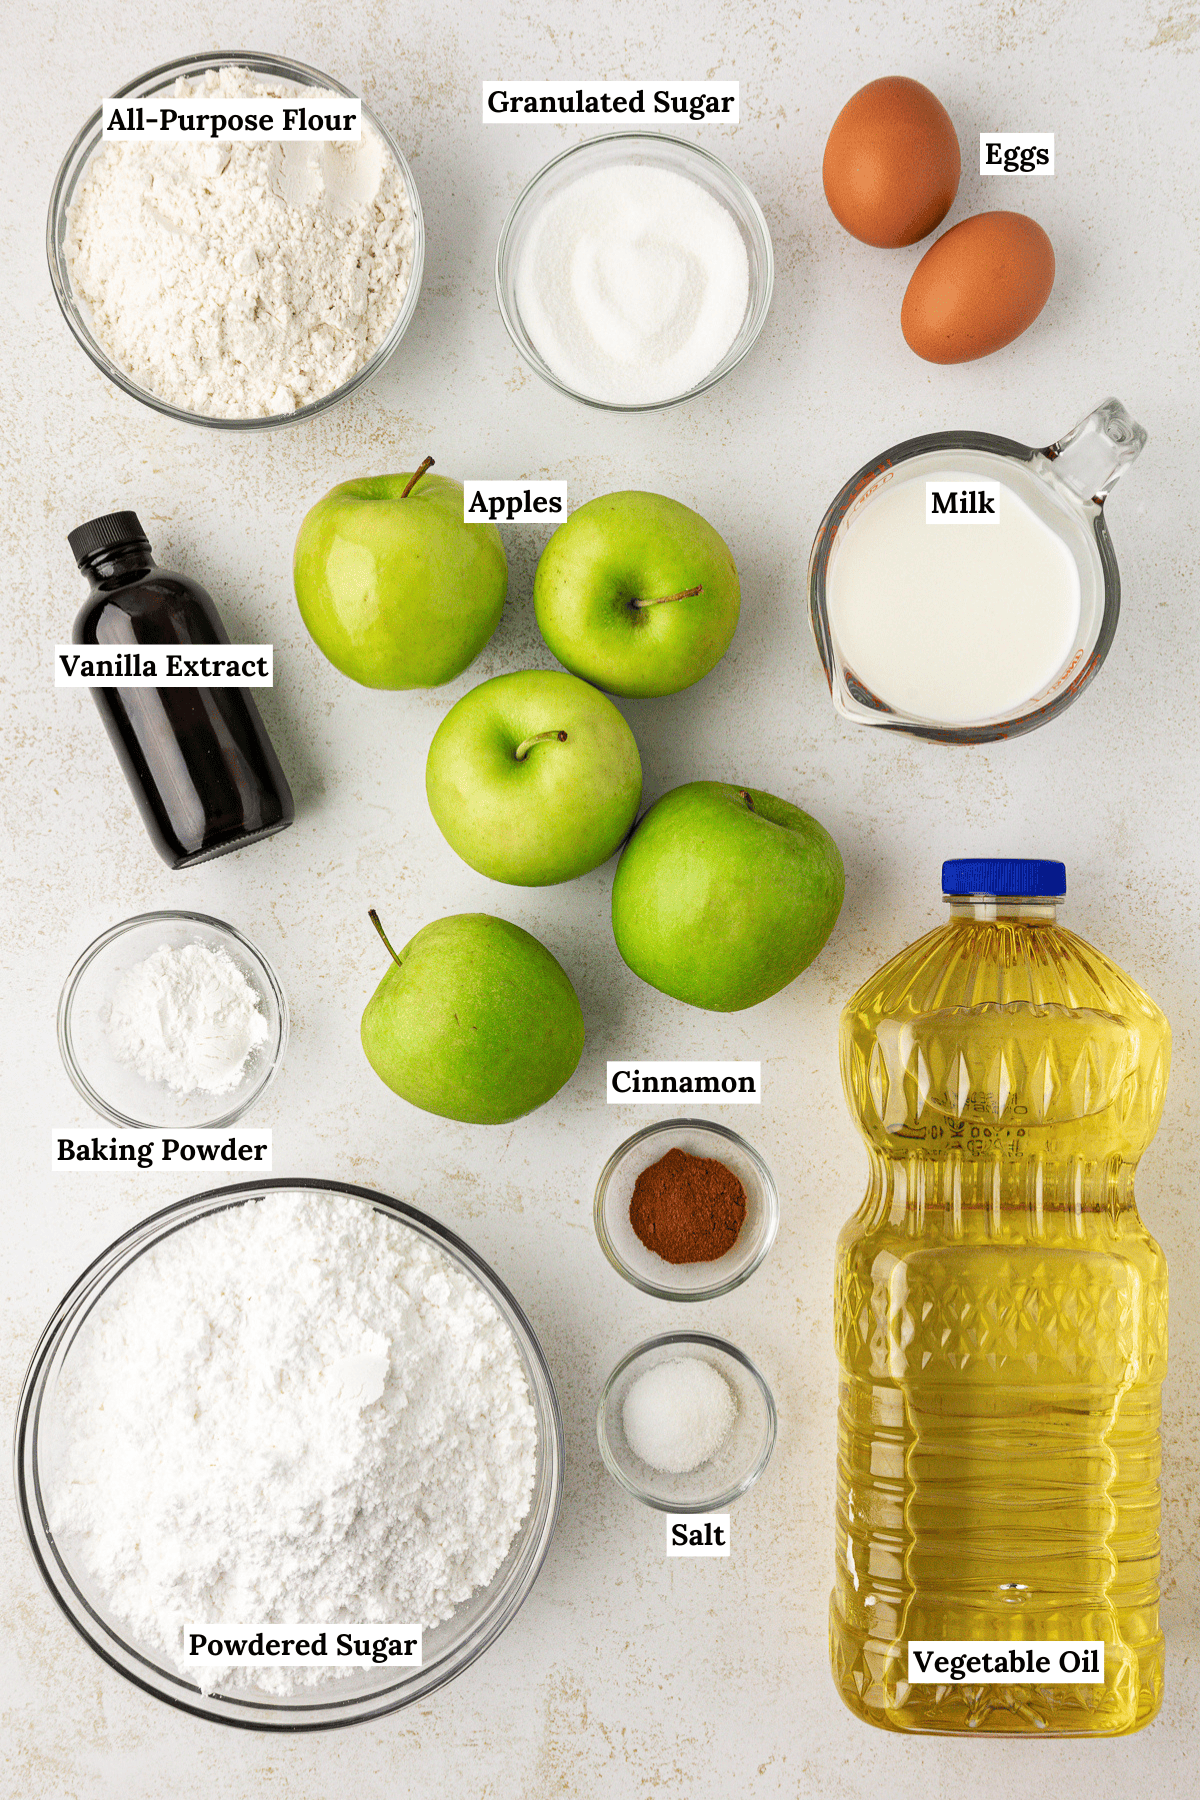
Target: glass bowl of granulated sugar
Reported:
[(172, 1020), (289, 1401), (634, 271), (266, 283)]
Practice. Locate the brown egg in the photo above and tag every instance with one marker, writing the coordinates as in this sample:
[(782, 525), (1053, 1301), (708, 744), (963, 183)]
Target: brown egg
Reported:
[(979, 287), (892, 163)]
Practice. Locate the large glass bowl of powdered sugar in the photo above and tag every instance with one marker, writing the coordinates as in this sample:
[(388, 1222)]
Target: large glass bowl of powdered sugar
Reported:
[(634, 271), (239, 285), (289, 1404)]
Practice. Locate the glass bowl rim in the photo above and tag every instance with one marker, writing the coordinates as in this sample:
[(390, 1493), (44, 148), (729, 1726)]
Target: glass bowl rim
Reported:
[(664, 1341), (79, 968), (757, 310), (818, 562), (110, 1264), (266, 63), (715, 1289)]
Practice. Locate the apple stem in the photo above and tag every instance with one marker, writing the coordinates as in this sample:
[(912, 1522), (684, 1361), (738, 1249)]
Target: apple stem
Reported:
[(374, 918), (543, 737), (745, 795), (423, 470), (662, 599)]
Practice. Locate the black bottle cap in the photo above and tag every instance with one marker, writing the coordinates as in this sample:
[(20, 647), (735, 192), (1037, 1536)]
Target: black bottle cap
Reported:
[(114, 530)]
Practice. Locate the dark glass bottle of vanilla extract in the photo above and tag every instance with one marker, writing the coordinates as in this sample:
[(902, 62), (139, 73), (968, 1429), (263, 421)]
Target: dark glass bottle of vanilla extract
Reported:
[(198, 759)]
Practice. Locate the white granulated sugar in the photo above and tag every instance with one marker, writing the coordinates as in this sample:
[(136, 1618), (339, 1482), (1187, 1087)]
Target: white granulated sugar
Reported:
[(241, 280), (187, 1018), (295, 1410), (632, 283)]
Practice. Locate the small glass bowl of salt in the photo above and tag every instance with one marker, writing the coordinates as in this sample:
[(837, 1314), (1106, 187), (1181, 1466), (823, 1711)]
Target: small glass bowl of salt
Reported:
[(172, 1020), (681, 1396)]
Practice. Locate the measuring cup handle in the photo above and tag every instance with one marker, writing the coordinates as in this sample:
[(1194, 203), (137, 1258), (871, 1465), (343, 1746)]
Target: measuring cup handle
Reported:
[(1094, 454)]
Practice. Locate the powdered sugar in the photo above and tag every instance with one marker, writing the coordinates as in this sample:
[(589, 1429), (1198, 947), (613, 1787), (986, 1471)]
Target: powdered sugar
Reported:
[(295, 1409), (240, 280), (187, 1018)]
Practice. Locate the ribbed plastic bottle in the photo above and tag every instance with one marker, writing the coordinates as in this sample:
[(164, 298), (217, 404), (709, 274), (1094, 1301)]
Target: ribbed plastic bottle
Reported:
[(1001, 1317)]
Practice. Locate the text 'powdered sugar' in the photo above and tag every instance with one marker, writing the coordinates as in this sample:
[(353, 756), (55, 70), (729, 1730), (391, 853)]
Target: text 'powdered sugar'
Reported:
[(303, 1646)]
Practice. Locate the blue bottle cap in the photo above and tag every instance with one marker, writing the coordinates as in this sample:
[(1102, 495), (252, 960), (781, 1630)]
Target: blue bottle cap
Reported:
[(1004, 878)]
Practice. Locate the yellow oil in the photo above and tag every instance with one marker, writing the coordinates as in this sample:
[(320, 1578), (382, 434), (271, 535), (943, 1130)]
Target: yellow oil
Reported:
[(1001, 1328)]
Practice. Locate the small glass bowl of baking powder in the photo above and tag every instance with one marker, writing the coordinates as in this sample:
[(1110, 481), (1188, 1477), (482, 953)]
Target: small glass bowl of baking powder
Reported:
[(685, 1281), (652, 150), (733, 1468), (74, 168), (115, 1090)]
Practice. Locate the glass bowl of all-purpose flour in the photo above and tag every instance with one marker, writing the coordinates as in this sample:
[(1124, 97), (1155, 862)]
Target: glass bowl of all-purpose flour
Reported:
[(235, 284), (172, 1020), (634, 271), (290, 1403)]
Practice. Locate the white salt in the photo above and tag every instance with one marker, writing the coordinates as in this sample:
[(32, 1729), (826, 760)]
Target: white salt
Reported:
[(678, 1414), (632, 284)]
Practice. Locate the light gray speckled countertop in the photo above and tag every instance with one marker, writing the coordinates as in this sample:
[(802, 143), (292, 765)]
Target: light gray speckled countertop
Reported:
[(625, 1675)]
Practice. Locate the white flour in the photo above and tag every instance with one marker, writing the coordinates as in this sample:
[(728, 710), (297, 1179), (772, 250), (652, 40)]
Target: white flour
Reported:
[(295, 1410), (240, 280), (187, 1018)]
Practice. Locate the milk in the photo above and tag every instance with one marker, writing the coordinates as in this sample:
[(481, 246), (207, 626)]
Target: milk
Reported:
[(962, 618)]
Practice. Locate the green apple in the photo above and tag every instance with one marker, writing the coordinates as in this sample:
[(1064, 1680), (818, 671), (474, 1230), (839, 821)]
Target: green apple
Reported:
[(724, 894), (638, 594), (533, 778), (474, 1020), (395, 589)]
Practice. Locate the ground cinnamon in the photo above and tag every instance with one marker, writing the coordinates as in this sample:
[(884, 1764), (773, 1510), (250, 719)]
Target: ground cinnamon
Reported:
[(688, 1209)]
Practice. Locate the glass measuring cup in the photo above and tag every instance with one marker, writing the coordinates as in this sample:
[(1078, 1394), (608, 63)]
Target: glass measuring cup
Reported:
[(1065, 485)]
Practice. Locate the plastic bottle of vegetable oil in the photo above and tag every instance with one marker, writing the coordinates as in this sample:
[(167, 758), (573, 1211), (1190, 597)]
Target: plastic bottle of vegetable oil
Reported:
[(1001, 1317)]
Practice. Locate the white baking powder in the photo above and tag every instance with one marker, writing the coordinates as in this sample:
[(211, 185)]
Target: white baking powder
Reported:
[(188, 1018), (632, 283), (240, 280), (294, 1410)]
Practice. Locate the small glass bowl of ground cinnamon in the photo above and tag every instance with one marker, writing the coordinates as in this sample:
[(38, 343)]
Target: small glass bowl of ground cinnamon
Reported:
[(686, 1209)]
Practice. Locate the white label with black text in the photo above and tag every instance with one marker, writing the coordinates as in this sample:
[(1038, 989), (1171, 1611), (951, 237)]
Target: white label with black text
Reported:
[(247, 1151), (1016, 153), (231, 118), (976, 1662), (693, 102), (302, 1646), (506, 502), (961, 499), (699, 1083), (697, 1534), (163, 665)]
